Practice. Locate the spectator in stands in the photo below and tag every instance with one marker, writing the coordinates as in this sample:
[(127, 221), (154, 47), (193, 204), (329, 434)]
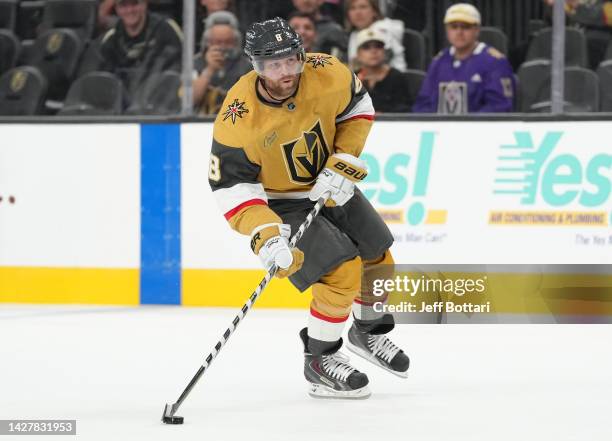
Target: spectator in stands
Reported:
[(595, 16), (221, 63), (593, 13), (213, 6), (141, 44), (469, 76), (362, 14), (331, 38), (208, 7), (304, 24), (106, 15), (222, 17), (387, 86)]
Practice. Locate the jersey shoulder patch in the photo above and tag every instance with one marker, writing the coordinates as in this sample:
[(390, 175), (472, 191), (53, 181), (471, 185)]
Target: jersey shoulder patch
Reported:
[(238, 100), (320, 60), (235, 110), (235, 115), (495, 53)]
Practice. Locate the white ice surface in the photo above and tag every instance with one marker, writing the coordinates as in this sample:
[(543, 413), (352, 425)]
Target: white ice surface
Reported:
[(113, 369)]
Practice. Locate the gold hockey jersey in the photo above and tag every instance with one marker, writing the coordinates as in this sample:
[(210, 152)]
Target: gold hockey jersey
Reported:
[(264, 151)]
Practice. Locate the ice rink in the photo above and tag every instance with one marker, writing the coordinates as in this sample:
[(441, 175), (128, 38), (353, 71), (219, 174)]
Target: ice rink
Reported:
[(113, 369)]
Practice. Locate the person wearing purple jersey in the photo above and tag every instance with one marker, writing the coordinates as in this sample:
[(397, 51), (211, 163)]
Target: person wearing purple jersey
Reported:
[(469, 76)]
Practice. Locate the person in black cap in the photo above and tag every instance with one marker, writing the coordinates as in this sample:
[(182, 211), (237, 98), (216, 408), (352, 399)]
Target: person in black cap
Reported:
[(331, 38), (140, 44)]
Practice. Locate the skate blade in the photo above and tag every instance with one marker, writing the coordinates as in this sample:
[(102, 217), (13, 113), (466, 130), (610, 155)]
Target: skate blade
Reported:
[(321, 391), (372, 359)]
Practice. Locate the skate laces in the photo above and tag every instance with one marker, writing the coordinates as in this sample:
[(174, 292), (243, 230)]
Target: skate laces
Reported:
[(335, 366), (341, 356), (382, 347)]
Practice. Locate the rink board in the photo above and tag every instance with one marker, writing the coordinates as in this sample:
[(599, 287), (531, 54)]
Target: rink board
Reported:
[(123, 214)]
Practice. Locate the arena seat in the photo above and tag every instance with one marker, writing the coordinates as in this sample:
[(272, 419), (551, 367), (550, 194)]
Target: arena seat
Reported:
[(608, 55), (8, 14), (581, 92), (575, 47), (22, 91), (97, 93), (581, 89), (494, 37), (78, 15), (604, 72), (9, 50), (415, 49), (91, 60), (534, 84), (56, 53), (534, 25), (160, 95), (415, 79)]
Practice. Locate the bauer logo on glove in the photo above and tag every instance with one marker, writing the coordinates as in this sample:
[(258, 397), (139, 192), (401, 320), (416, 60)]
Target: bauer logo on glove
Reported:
[(338, 179), (254, 241), (352, 173)]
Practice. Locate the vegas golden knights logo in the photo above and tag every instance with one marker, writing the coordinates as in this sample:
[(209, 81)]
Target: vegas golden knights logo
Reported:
[(18, 80), (54, 43), (306, 156)]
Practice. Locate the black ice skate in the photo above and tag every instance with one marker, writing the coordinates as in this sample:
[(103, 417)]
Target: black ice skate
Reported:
[(330, 376), (378, 349)]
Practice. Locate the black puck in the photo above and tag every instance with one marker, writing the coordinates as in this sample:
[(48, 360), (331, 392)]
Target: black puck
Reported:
[(173, 420)]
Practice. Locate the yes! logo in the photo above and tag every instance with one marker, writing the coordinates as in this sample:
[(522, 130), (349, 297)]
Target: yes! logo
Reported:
[(536, 174), (397, 185)]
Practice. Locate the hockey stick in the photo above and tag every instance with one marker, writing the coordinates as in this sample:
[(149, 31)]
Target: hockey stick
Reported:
[(168, 416)]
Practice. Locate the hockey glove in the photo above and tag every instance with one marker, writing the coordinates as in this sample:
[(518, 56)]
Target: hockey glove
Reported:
[(338, 178), (271, 243)]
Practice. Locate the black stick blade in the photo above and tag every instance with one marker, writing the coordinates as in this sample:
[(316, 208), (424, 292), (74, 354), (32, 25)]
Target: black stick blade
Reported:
[(168, 418)]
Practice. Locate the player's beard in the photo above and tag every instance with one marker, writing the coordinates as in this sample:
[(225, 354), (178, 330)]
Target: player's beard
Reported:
[(283, 88)]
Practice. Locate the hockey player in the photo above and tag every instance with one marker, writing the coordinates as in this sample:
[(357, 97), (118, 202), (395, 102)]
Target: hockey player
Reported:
[(288, 132)]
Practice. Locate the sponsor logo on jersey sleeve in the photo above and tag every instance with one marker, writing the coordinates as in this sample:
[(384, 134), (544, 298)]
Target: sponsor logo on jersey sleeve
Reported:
[(269, 140)]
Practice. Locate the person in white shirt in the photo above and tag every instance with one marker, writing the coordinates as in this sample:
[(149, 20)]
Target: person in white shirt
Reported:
[(363, 14)]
